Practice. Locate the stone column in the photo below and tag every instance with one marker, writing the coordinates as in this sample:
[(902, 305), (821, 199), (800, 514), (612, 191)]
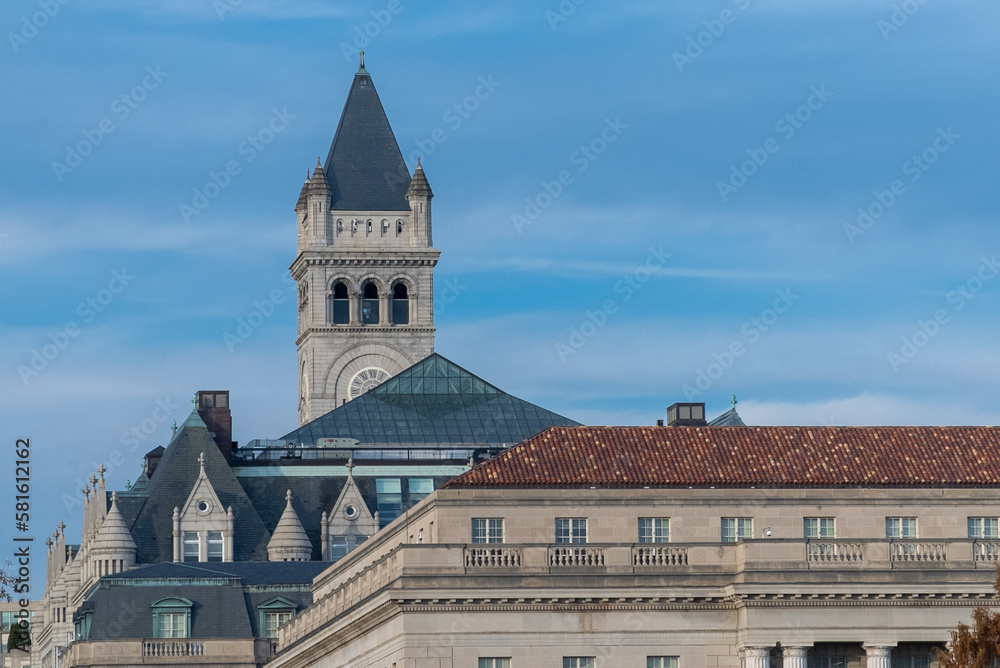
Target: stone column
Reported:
[(756, 657), (793, 657), (878, 655)]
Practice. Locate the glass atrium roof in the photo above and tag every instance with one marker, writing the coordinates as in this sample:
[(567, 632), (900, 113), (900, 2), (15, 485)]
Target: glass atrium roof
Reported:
[(434, 401)]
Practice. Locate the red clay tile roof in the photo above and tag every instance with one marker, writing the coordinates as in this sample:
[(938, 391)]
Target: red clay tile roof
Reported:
[(746, 456)]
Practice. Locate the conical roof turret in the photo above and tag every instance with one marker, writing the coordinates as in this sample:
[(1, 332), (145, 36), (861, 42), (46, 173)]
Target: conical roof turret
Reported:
[(289, 541), (113, 539), (419, 187), (318, 184)]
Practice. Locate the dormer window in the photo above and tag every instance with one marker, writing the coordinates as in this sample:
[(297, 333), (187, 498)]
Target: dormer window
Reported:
[(172, 618), (399, 227), (340, 227), (369, 232), (385, 227), (273, 614)]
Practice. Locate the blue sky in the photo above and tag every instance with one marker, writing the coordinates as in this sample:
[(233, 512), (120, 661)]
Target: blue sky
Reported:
[(705, 241)]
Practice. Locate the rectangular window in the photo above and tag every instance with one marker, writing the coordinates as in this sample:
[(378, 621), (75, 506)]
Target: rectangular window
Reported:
[(819, 527), (910, 662), (191, 547), (661, 662), (828, 662), (983, 527), (654, 530), (338, 547), (420, 489), (736, 529), (214, 546), (272, 620), (172, 625), (389, 492), (487, 530), (494, 662), (571, 530), (901, 527), (578, 662)]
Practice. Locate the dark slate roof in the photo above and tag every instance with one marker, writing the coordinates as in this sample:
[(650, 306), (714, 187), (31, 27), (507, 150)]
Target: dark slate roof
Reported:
[(631, 457), (123, 602), (728, 419), (365, 168), (248, 572), (172, 481), (122, 612), (312, 495), (434, 401)]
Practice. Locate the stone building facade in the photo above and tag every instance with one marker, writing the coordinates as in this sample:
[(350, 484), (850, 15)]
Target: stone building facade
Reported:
[(682, 547), (365, 262)]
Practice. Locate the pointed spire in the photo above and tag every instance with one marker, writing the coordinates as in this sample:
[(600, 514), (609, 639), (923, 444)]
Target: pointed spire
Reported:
[(317, 183), (113, 540), (419, 187), (289, 541)]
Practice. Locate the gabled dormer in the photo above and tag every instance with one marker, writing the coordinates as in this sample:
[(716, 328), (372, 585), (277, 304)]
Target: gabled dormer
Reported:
[(349, 522), (203, 529)]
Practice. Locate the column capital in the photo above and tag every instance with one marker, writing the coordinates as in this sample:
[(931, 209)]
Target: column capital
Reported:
[(881, 651), (795, 650), (756, 651)]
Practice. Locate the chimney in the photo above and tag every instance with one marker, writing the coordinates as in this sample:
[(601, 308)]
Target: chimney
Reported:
[(686, 415), (213, 407)]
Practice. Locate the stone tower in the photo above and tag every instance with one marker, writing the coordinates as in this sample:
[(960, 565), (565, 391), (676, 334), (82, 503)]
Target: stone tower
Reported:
[(365, 263)]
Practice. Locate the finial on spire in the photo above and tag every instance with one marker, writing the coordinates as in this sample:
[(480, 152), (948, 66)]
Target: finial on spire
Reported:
[(62, 527), (732, 401), (201, 462), (418, 163), (361, 63), (194, 401), (173, 429), (114, 497), (101, 470), (319, 165), (93, 481), (288, 496), (349, 465)]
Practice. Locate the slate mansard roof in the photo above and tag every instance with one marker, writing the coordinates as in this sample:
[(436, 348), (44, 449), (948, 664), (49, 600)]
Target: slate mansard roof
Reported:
[(746, 457), (434, 401), (150, 515), (225, 596), (365, 168)]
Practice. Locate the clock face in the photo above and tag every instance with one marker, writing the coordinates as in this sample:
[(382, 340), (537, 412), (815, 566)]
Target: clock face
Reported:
[(366, 379)]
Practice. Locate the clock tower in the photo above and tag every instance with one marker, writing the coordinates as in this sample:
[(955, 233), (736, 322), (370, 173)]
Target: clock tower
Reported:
[(365, 261)]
